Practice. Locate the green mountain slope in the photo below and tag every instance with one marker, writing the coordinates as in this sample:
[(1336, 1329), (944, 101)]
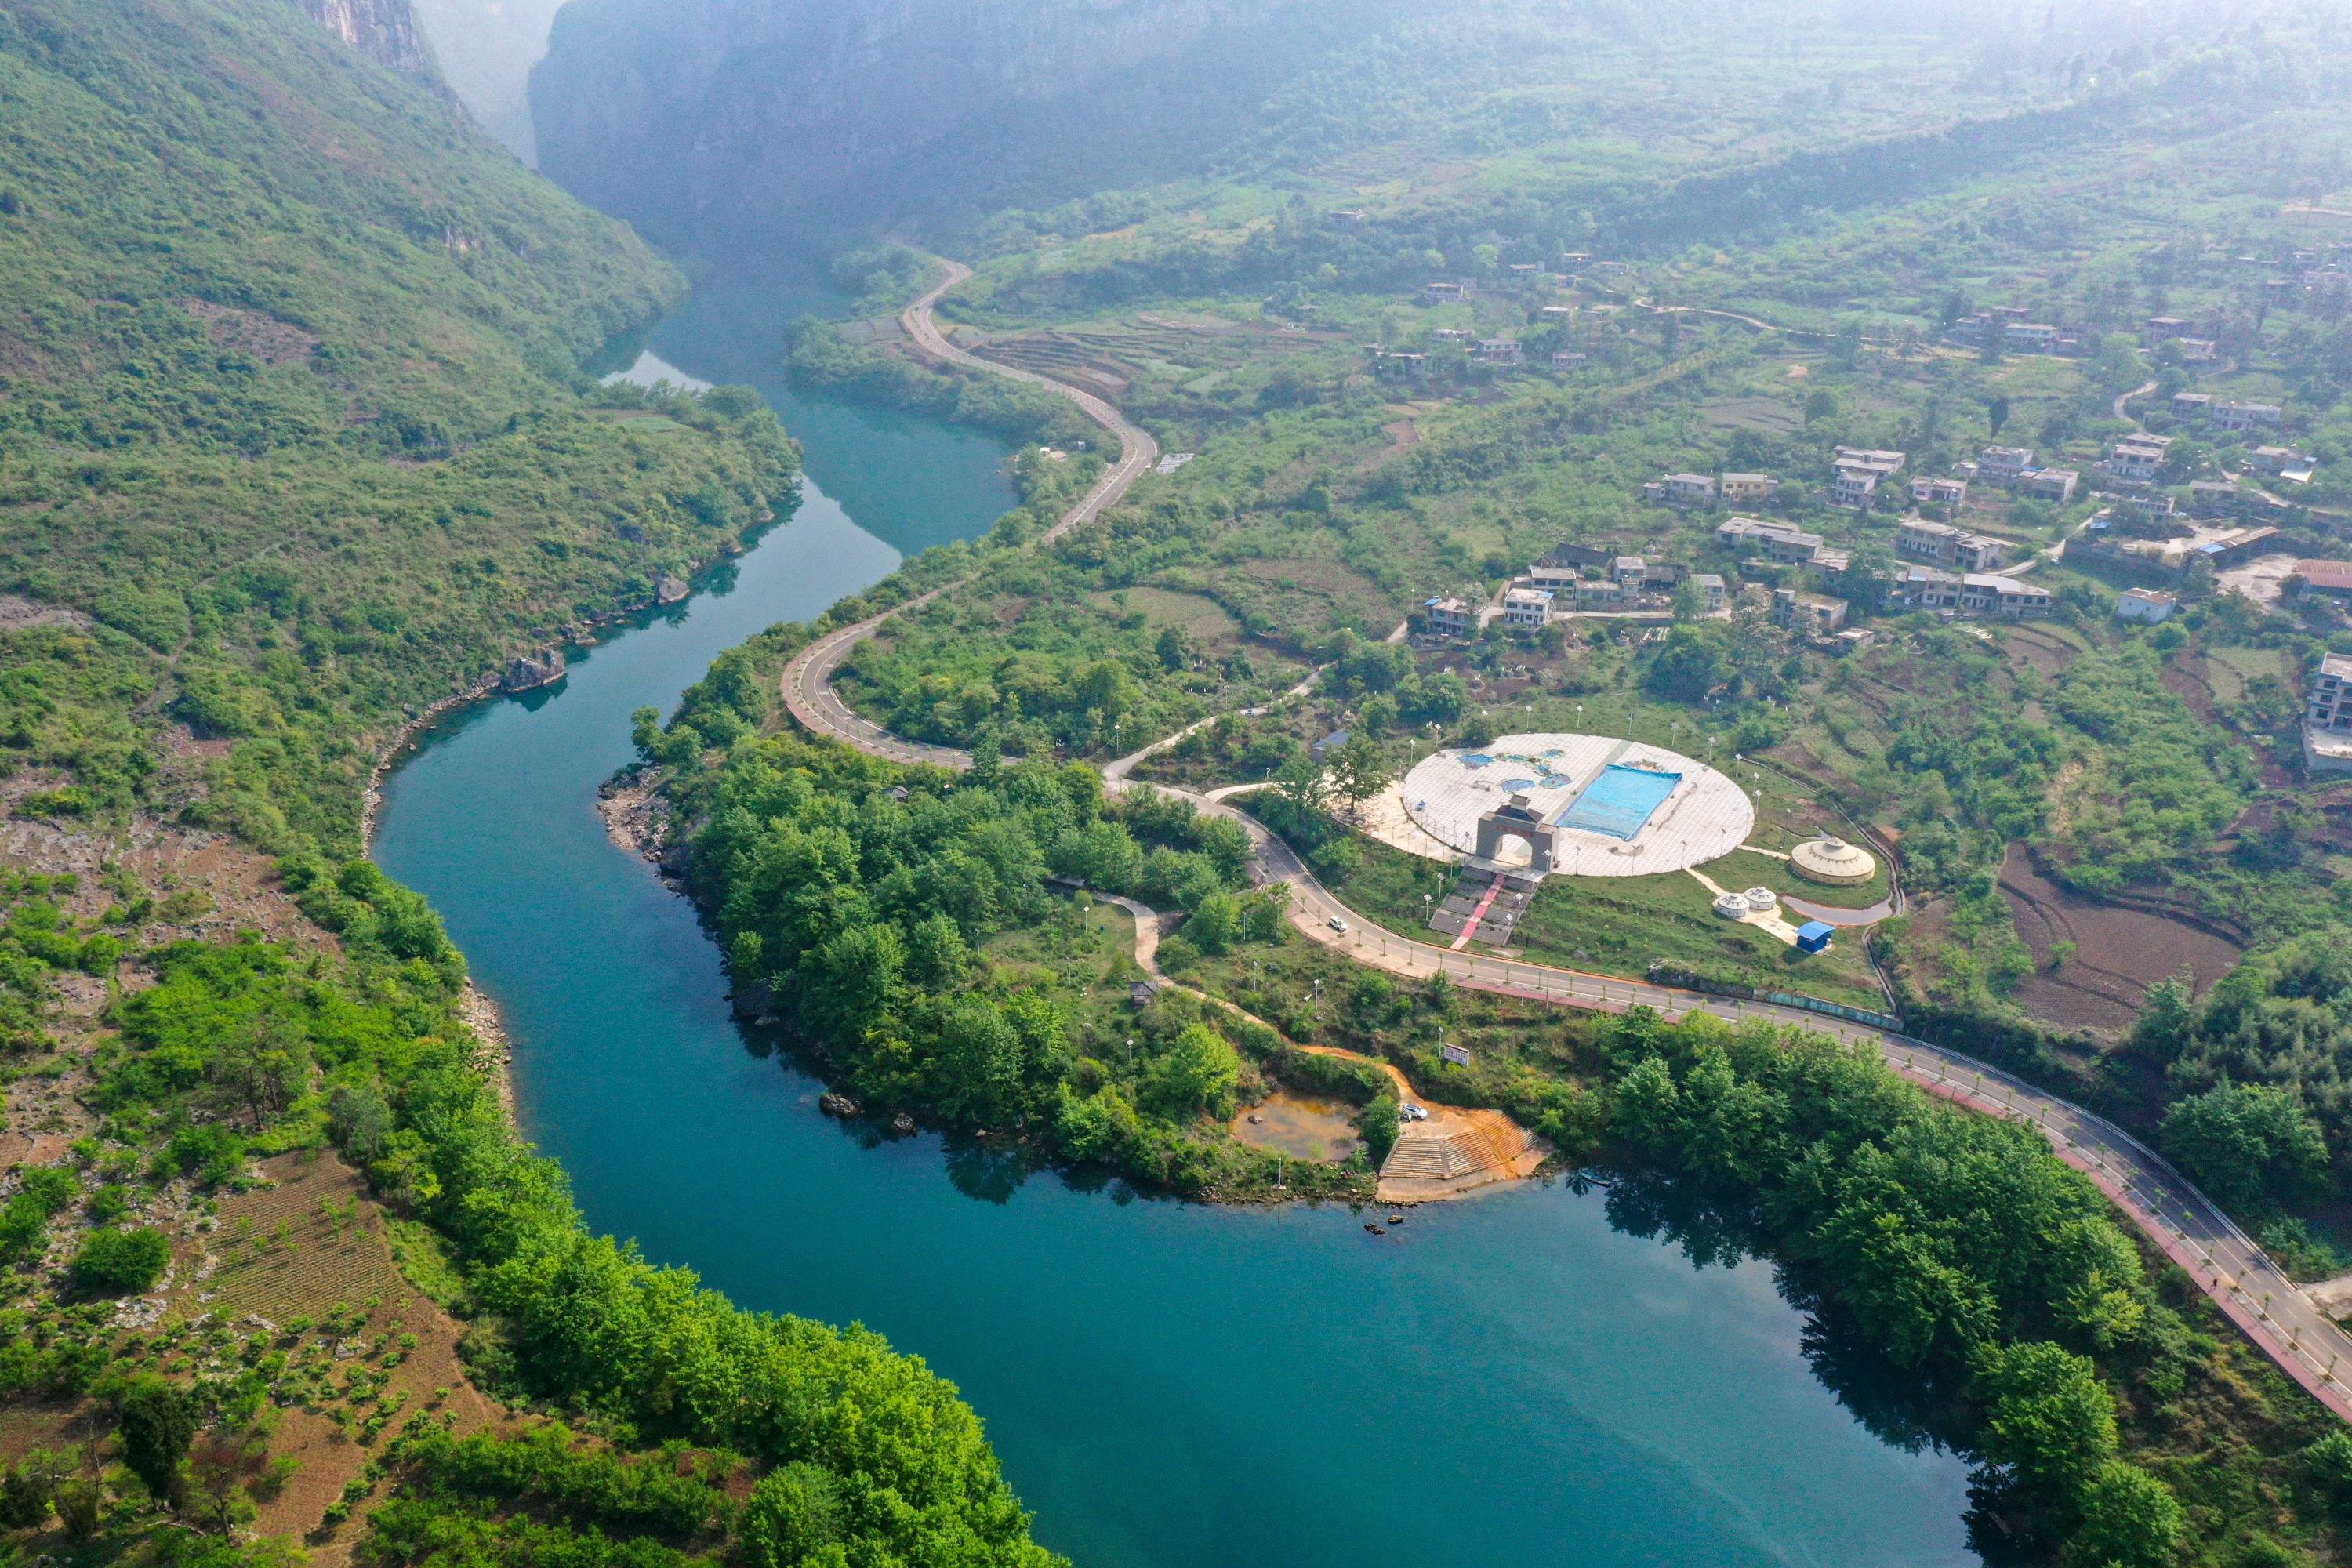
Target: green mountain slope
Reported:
[(290, 396)]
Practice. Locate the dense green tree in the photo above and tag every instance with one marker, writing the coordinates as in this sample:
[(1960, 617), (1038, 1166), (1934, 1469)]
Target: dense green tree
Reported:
[(154, 1422), (2050, 1424), (2129, 1520), (1692, 665), (27, 1488), (1198, 1074), (794, 1518), (2247, 1145), (120, 1262), (1359, 770)]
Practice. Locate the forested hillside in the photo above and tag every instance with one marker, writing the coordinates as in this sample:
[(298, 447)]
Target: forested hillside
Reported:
[(295, 439), (1485, 348), (291, 403)]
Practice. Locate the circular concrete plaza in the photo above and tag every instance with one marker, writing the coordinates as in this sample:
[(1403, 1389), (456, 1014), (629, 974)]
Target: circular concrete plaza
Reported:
[(1618, 808)]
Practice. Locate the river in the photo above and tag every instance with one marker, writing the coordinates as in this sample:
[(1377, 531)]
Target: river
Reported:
[(1506, 1379)]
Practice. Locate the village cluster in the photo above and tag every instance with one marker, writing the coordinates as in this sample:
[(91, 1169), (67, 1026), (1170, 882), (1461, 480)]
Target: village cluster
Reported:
[(2172, 525)]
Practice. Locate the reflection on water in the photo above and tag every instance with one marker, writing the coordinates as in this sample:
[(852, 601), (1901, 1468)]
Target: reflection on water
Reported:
[(1512, 1378)]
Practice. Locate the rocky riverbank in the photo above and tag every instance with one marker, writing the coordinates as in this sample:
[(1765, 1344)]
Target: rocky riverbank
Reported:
[(635, 814), (494, 1055)]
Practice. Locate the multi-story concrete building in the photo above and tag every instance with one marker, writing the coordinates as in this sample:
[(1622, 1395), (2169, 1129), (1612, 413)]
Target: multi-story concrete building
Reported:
[(2328, 717), (2244, 415), (1854, 487), (1816, 615), (1879, 460), (1527, 609), (2053, 484), (1450, 618), (2004, 465), (1972, 592), (1602, 593), (1950, 546), (1683, 492), (2137, 461), (1773, 540)]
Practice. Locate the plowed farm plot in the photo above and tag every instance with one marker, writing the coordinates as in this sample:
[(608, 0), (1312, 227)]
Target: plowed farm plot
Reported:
[(312, 1245), (2118, 954)]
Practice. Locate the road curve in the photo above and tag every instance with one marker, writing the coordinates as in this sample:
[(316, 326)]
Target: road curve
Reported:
[(2227, 1265), (808, 678)]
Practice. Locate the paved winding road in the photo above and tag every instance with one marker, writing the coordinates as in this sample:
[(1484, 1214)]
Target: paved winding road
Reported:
[(2228, 1266), (808, 679)]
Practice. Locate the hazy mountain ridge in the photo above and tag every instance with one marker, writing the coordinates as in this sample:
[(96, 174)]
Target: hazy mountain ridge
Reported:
[(662, 111)]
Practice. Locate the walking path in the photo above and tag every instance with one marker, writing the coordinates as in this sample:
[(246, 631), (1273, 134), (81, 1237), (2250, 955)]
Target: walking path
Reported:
[(1451, 1152), (2277, 1315)]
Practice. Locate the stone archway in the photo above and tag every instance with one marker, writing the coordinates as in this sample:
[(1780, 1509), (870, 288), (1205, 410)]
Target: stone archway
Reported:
[(1517, 820)]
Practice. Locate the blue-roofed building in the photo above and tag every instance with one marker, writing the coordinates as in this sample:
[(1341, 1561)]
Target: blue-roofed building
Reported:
[(1814, 936)]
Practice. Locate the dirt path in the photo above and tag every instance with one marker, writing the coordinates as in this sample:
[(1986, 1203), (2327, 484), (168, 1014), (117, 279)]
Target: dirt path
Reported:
[(1453, 1152)]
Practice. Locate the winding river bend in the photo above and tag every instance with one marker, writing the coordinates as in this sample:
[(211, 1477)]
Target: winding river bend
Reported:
[(1508, 1379)]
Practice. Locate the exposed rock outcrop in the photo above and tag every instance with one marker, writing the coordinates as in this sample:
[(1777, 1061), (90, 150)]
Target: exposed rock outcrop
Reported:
[(531, 671), (670, 589), (384, 31)]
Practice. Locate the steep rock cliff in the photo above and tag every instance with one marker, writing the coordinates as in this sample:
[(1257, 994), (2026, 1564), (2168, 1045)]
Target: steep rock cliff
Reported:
[(384, 31), (665, 111)]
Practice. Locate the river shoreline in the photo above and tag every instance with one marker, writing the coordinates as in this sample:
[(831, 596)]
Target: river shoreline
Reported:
[(1101, 1329), (494, 1056), (635, 814), (582, 634)]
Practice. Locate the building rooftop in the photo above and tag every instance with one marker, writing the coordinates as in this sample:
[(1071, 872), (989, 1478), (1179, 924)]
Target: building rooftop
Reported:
[(2338, 665), (2333, 575), (1759, 526)]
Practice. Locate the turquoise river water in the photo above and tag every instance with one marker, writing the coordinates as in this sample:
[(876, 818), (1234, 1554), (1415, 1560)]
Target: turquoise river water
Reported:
[(1508, 1379)]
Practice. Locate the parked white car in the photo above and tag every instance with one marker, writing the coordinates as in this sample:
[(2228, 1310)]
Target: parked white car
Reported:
[(1335, 923)]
